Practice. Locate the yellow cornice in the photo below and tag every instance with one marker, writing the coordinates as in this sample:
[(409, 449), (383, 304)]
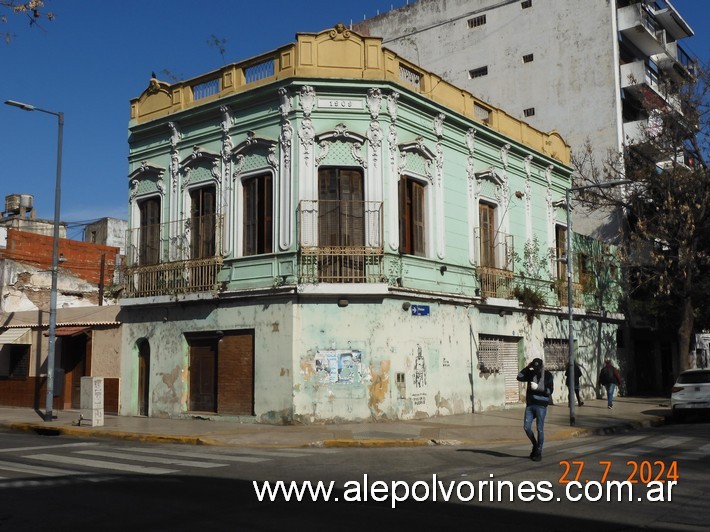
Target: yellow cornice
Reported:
[(339, 53)]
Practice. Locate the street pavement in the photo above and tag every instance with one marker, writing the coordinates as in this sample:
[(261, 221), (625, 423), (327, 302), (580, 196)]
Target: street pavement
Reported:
[(494, 426)]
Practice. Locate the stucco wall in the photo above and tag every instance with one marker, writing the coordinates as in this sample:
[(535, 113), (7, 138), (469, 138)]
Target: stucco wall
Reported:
[(165, 329)]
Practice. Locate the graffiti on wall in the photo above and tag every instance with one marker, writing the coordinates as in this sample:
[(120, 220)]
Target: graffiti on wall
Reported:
[(419, 369), (338, 366)]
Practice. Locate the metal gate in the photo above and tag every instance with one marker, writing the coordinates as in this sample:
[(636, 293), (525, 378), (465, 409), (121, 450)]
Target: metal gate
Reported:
[(509, 359), (497, 354)]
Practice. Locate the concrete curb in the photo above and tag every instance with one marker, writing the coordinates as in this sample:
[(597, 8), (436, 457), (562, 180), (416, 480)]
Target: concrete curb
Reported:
[(87, 432), (97, 433)]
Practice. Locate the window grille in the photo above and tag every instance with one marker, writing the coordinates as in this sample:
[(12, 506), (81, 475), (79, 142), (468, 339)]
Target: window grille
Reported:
[(409, 76), (477, 21), (530, 111), (478, 72), (556, 354), (528, 58), (488, 359), (526, 4)]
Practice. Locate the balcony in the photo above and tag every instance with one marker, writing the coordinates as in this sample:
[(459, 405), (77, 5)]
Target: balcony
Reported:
[(677, 63), (640, 79), (173, 258), (340, 241), (496, 282), (641, 28)]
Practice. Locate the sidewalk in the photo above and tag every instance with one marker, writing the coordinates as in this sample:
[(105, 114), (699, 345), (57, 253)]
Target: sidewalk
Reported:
[(501, 426)]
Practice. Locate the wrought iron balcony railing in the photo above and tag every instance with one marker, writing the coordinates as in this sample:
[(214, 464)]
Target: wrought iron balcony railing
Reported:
[(340, 241), (183, 256)]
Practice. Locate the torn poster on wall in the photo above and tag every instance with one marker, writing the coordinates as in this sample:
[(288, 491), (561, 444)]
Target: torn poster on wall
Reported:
[(338, 366)]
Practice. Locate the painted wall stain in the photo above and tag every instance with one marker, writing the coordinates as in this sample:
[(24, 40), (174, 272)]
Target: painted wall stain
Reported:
[(442, 403), (379, 387)]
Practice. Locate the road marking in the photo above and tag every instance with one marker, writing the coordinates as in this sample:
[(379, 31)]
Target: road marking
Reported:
[(35, 470), (595, 447), (697, 454), (153, 459), (665, 443), (205, 456), (101, 464), (271, 453), (43, 447)]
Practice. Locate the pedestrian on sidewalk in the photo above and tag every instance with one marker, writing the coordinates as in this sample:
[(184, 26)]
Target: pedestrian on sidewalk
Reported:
[(577, 375), (610, 379), (540, 386)]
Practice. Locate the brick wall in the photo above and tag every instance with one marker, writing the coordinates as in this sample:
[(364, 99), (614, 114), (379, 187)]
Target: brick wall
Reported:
[(83, 259)]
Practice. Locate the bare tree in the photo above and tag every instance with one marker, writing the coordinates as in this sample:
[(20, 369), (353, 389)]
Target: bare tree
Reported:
[(665, 242), (33, 11)]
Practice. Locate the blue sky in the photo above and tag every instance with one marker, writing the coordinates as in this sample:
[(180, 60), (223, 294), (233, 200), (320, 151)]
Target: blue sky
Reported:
[(97, 55)]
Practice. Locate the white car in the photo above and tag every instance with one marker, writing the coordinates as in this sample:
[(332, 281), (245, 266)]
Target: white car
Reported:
[(691, 392)]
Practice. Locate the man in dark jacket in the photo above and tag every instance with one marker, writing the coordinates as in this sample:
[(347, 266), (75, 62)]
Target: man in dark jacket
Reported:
[(540, 386), (577, 375), (610, 379)]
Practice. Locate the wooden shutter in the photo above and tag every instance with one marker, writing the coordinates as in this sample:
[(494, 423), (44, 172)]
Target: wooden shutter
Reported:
[(149, 231), (487, 228), (418, 241)]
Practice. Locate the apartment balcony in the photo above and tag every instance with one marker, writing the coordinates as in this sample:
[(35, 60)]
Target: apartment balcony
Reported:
[(641, 28), (340, 241), (635, 132), (640, 79), (173, 258), (677, 63)]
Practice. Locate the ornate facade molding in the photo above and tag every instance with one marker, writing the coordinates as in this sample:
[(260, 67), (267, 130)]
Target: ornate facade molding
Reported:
[(439, 125), (417, 147), (374, 102), (504, 155), (197, 157)]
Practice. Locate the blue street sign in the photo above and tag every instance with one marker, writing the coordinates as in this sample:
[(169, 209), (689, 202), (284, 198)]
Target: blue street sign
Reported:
[(420, 310)]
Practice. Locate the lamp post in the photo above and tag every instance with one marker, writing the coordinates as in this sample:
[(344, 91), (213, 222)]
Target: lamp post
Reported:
[(48, 416), (570, 310)]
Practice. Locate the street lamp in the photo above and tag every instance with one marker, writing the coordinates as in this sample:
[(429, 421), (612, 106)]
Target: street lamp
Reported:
[(570, 310), (48, 416)]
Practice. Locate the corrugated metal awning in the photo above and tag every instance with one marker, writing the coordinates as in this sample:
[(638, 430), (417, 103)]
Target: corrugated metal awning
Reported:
[(16, 336)]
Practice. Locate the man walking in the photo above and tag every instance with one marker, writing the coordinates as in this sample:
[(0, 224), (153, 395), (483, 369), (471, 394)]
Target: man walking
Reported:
[(610, 379), (577, 375), (540, 386)]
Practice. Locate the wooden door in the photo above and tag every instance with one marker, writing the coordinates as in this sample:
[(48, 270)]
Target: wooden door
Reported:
[(143, 378), (203, 376)]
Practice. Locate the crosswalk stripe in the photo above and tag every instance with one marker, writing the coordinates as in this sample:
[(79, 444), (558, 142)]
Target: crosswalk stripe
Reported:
[(598, 446), (271, 453), (35, 470), (43, 447), (153, 459), (101, 464), (671, 441), (205, 456), (697, 454)]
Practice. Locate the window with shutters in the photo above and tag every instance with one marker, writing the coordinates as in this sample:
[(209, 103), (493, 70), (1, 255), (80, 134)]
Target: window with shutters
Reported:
[(486, 221), (341, 207), (561, 251), (202, 222), (412, 223), (258, 218), (149, 237)]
